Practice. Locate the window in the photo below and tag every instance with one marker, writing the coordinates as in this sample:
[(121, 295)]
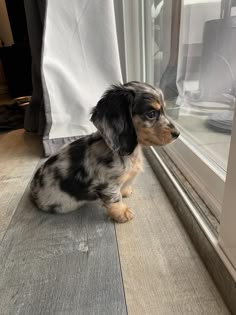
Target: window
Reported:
[(187, 48), (190, 49)]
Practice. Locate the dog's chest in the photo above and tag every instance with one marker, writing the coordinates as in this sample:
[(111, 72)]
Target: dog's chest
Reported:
[(134, 166)]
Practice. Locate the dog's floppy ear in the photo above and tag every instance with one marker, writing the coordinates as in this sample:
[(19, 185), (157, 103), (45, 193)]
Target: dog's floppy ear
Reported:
[(112, 117)]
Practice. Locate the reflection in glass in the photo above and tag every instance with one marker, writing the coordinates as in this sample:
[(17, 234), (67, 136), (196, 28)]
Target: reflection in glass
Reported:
[(193, 45)]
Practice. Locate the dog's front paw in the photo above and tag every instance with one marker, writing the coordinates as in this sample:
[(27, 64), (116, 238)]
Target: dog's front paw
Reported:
[(126, 192), (127, 215), (120, 213)]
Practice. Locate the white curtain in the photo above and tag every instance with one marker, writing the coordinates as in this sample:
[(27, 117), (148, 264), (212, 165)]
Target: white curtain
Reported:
[(80, 60)]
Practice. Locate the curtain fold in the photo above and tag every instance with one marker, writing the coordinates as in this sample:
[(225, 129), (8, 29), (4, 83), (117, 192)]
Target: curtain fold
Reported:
[(35, 113), (80, 59)]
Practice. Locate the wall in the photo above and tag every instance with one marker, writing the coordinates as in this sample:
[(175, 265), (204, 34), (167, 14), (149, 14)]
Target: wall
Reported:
[(5, 29)]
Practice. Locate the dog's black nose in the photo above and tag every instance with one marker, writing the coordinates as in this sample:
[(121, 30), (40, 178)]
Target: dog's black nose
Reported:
[(175, 134)]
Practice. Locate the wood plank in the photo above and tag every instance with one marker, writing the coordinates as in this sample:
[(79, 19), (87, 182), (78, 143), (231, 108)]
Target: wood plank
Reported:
[(20, 152), (162, 272), (60, 264)]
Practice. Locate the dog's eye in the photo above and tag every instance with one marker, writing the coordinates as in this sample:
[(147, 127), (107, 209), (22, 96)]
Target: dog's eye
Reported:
[(152, 114)]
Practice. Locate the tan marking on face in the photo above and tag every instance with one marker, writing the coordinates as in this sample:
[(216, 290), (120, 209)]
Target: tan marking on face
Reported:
[(159, 134), (156, 105)]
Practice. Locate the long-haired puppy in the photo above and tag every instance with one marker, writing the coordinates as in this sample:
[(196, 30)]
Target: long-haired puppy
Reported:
[(101, 166)]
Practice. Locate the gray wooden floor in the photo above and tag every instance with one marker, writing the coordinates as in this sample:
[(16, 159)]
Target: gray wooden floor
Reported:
[(81, 263)]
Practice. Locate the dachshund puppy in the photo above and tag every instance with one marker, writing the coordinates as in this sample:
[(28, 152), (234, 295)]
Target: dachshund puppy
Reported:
[(101, 166)]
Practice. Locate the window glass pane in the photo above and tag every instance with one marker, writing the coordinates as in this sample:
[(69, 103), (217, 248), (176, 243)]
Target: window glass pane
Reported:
[(192, 47)]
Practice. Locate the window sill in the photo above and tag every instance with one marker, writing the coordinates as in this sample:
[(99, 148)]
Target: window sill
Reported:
[(201, 226)]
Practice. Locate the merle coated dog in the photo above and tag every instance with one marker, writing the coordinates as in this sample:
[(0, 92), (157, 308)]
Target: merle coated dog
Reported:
[(101, 166)]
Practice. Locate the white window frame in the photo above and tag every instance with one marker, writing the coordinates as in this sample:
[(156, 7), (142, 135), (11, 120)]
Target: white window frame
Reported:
[(206, 178), (216, 188), (227, 234)]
